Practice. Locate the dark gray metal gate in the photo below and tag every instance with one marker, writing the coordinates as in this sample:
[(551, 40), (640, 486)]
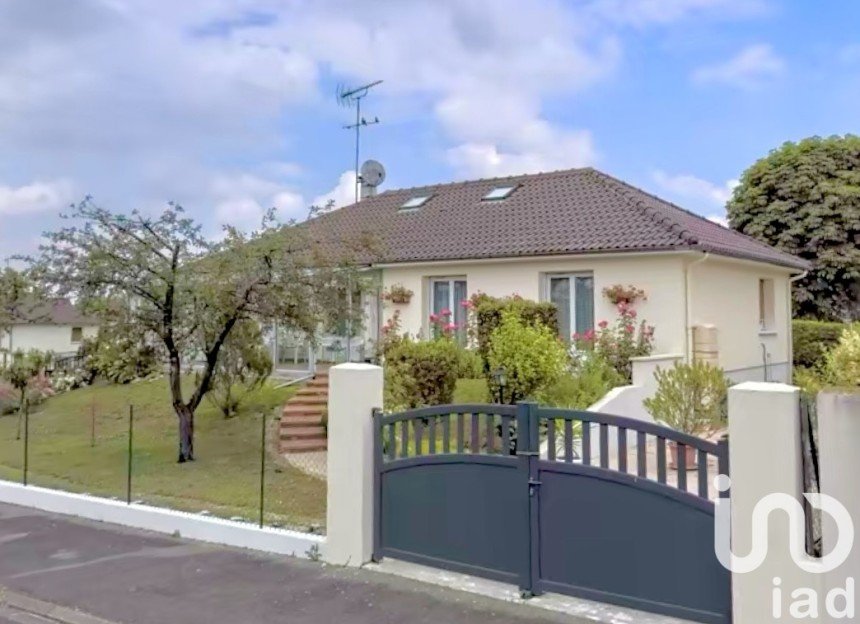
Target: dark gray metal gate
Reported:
[(465, 487)]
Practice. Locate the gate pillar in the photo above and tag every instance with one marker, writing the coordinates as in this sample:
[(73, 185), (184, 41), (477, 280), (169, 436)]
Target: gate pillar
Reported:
[(355, 390)]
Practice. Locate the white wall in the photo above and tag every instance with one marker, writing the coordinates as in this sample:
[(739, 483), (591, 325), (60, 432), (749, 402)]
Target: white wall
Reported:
[(661, 276), (724, 293), (43, 337)]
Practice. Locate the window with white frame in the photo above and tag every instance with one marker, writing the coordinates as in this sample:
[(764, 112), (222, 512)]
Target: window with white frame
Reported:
[(573, 295), (447, 295), (766, 317)]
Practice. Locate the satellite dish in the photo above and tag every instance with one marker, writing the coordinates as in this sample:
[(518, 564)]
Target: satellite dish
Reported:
[(372, 173)]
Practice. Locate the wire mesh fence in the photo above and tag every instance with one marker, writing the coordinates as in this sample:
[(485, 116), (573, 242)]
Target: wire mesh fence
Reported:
[(128, 452)]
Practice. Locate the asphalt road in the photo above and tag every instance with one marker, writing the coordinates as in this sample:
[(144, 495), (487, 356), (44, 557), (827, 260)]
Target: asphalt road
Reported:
[(120, 575)]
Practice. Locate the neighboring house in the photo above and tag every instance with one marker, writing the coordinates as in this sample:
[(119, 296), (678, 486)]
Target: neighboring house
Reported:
[(564, 236), (56, 326)]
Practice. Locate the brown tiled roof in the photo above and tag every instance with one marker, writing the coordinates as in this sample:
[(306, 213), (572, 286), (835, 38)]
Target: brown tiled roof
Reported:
[(53, 312), (575, 211)]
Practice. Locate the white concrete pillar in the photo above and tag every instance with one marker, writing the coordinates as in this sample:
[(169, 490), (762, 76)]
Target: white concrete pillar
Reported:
[(765, 458), (354, 391), (839, 466)]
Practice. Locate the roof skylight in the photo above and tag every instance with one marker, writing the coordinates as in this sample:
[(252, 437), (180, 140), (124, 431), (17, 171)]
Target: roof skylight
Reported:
[(500, 192), (415, 202)]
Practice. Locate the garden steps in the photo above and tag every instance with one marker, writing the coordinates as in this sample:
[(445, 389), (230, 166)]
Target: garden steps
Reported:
[(302, 427)]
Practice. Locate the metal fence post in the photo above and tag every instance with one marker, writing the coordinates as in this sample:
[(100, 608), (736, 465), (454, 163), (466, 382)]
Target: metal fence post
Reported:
[(26, 407), (130, 452), (528, 449), (262, 467)]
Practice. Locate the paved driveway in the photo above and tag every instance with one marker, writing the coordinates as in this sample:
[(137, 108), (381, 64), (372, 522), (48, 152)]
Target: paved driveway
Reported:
[(133, 577)]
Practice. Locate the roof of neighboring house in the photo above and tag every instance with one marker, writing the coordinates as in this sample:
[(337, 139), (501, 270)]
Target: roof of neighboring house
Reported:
[(53, 312), (574, 211)]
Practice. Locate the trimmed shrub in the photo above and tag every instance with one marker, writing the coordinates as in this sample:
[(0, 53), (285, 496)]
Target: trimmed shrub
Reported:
[(811, 339), (531, 355), (488, 313), (842, 362), (423, 373)]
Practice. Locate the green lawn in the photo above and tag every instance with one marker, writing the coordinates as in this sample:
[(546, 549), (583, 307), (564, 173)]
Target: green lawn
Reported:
[(224, 479)]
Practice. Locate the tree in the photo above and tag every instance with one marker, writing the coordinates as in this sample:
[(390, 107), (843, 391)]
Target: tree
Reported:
[(20, 373), (244, 365), (186, 292), (804, 198), (15, 289)]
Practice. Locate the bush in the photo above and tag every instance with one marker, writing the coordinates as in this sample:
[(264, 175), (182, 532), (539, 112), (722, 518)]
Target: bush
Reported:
[(690, 398), (811, 339), (626, 338), (244, 364), (488, 311), (842, 362), (590, 379), (118, 357), (424, 373), (531, 355)]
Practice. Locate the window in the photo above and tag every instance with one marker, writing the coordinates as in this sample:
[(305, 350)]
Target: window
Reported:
[(415, 202), (500, 192), (77, 334), (766, 319), (573, 295), (446, 293)]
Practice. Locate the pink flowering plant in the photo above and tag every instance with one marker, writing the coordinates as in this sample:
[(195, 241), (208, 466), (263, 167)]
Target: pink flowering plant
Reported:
[(627, 337), (442, 325)]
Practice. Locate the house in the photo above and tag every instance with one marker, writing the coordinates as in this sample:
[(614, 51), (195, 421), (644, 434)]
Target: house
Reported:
[(563, 237), (56, 326)]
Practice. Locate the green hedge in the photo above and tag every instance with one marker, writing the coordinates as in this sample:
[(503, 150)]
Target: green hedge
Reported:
[(812, 338), (488, 311)]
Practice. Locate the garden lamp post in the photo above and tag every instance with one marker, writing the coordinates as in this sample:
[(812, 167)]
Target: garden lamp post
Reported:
[(501, 379)]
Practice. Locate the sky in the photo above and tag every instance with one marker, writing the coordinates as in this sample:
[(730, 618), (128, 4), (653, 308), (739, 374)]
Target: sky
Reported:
[(229, 107)]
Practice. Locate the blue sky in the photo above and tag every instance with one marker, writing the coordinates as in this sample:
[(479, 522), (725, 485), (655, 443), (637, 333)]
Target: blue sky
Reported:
[(228, 106)]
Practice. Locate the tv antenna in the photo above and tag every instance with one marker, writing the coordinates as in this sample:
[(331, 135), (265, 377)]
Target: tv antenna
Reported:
[(349, 97)]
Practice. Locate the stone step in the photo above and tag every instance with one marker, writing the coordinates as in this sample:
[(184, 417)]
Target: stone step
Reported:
[(303, 433), (311, 391), (302, 446), (311, 399), (301, 420)]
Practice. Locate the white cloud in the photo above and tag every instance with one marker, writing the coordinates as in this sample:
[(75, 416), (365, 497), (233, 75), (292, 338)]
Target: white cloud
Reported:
[(642, 13), (35, 197), (342, 194), (750, 68), (719, 219), (687, 187)]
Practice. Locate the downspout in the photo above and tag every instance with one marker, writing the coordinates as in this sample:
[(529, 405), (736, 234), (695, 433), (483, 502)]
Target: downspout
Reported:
[(688, 311), (788, 317)]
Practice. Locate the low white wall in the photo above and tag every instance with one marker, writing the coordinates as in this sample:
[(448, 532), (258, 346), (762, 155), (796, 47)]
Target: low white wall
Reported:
[(188, 525)]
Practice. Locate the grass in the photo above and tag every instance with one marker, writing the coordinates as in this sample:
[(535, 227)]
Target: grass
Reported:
[(224, 480)]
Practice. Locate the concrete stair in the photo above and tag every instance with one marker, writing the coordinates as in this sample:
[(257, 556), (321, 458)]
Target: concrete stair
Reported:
[(302, 427)]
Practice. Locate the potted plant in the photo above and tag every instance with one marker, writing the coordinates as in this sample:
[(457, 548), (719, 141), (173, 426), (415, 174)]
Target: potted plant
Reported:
[(618, 293), (398, 294), (690, 398)]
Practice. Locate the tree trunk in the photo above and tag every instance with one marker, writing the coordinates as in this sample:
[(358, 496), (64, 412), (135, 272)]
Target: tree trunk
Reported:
[(186, 433)]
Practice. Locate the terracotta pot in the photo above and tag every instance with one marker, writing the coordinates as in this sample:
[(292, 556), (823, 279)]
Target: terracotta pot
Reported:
[(690, 455)]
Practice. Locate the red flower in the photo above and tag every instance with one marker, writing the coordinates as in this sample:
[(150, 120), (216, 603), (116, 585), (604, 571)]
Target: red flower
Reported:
[(433, 318), (450, 326), (576, 335), (589, 335), (445, 312), (629, 329), (603, 324), (632, 313), (466, 303)]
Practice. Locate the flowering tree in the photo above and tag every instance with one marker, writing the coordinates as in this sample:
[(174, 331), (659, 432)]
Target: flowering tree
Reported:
[(625, 338)]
